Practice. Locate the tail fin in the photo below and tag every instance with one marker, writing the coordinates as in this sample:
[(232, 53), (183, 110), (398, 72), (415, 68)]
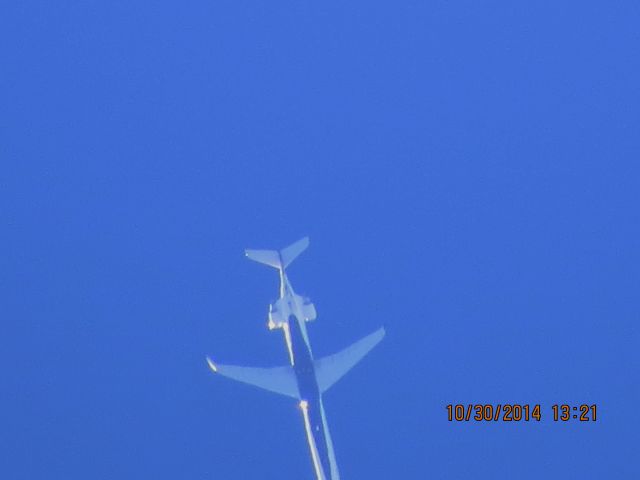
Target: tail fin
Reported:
[(281, 259)]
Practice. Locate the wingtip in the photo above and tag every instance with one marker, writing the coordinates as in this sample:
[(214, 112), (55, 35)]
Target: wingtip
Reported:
[(212, 365)]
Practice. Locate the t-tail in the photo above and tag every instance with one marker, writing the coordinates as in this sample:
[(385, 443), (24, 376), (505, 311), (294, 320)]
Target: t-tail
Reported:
[(279, 259)]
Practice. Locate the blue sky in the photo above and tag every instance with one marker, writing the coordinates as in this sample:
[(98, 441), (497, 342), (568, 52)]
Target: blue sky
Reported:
[(467, 173)]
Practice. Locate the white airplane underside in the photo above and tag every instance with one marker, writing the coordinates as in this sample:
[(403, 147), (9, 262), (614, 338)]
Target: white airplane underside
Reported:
[(305, 378)]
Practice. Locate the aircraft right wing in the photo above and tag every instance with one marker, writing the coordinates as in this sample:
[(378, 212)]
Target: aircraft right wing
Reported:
[(332, 368), (280, 380)]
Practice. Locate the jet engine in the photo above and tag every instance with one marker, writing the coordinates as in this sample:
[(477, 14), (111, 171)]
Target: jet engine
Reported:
[(277, 317), (280, 311), (308, 310)]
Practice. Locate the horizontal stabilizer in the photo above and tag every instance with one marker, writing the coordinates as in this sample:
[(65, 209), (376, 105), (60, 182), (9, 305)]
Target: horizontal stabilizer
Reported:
[(280, 380), (281, 259), (289, 253), (268, 257), (332, 368)]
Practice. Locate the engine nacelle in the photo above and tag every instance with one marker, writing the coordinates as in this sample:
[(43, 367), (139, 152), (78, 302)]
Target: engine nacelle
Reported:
[(308, 310), (277, 317), (280, 311)]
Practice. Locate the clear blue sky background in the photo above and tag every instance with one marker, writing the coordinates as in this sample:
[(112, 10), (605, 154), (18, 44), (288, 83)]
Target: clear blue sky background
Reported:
[(467, 173)]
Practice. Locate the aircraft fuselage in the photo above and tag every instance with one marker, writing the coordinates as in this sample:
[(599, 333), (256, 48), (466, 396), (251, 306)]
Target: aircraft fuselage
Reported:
[(318, 437)]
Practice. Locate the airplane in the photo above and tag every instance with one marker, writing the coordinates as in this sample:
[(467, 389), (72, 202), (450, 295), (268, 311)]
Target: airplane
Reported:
[(305, 378)]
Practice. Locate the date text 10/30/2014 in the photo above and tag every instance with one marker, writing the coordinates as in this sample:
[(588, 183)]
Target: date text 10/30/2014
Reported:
[(514, 412)]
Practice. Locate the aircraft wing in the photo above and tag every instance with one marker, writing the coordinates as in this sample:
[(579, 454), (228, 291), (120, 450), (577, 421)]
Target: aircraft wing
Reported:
[(280, 380), (332, 368)]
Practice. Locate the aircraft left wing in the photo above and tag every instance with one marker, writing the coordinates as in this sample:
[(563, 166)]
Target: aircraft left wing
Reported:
[(332, 368), (280, 380)]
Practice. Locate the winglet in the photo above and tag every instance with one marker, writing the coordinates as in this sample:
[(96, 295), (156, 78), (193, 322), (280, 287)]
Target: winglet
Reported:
[(212, 365)]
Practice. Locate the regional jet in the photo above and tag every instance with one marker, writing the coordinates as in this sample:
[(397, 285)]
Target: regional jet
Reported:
[(305, 378)]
